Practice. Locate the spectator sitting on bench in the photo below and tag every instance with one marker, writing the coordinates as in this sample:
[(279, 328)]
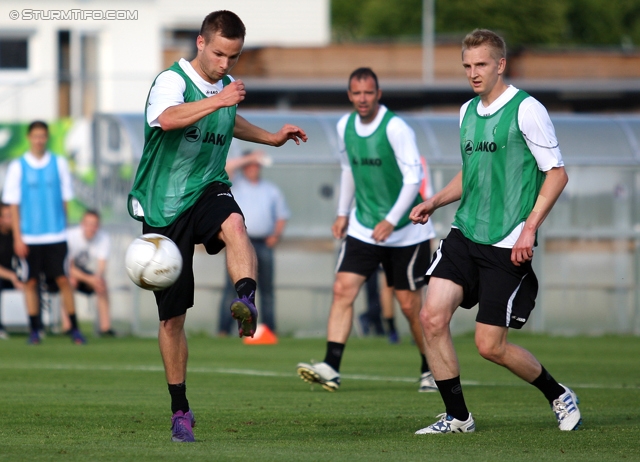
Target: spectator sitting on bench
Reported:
[(8, 277), (88, 254)]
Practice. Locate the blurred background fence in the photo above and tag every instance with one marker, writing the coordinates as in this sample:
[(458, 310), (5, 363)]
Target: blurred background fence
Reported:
[(587, 261)]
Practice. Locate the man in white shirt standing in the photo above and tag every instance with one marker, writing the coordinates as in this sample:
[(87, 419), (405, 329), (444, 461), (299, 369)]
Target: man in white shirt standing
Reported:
[(381, 168), (38, 187), (512, 174), (266, 213), (89, 248)]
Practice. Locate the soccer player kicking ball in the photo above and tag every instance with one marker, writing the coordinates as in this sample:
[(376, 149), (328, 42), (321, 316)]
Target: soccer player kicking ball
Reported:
[(512, 174), (181, 189), (381, 167)]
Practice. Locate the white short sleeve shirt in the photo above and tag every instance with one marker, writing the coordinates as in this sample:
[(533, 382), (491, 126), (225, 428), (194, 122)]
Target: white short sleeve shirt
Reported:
[(84, 253)]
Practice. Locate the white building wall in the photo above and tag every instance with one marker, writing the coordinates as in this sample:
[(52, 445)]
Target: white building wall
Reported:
[(268, 22), (130, 51), (130, 57), (24, 93)]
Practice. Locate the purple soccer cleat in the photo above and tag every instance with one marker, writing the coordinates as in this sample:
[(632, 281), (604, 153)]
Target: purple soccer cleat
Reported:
[(182, 427), (244, 311), (77, 337), (34, 338)]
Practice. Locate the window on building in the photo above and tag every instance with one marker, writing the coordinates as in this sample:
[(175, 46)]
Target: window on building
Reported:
[(179, 43), (64, 74), (14, 53)]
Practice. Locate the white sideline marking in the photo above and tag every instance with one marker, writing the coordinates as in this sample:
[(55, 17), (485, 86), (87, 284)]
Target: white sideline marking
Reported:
[(259, 373)]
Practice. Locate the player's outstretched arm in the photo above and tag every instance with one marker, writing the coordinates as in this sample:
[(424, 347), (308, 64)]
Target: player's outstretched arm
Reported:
[(555, 181), (186, 114), (450, 193), (246, 131)]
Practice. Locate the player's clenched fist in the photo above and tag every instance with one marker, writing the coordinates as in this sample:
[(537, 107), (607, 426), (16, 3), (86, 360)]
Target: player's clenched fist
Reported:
[(232, 94), (420, 213)]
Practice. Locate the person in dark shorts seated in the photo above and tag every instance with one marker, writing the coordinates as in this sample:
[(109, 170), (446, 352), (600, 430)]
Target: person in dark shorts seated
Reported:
[(8, 277)]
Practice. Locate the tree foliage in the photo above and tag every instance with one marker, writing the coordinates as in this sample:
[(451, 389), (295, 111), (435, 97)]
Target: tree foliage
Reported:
[(599, 22), (522, 22), (360, 19)]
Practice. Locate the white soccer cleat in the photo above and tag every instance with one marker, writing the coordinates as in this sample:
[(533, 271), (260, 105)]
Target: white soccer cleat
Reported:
[(320, 373), (448, 424), (566, 410), (427, 383)]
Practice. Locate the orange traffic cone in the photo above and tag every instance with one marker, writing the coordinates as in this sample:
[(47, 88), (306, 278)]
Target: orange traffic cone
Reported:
[(263, 336)]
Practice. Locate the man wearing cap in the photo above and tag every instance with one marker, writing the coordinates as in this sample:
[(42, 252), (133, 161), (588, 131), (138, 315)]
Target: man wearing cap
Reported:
[(266, 214)]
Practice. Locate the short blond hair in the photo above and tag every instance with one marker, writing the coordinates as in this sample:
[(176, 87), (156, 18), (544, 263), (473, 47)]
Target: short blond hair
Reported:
[(487, 37)]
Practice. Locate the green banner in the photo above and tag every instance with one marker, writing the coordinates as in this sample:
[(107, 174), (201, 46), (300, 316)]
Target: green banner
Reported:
[(14, 143)]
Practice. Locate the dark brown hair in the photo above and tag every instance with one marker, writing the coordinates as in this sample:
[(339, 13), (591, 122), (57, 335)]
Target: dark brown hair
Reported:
[(228, 24), (37, 124), (93, 212), (363, 73)]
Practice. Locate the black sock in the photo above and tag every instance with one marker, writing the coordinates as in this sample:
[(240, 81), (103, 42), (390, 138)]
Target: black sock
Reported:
[(391, 324), (246, 287), (74, 321), (179, 401), (548, 386), (424, 366), (334, 354), (34, 323), (451, 392)]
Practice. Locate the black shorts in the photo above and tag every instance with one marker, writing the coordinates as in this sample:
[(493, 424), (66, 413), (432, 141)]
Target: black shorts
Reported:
[(85, 288), (6, 284), (506, 293), (404, 267), (199, 224), (47, 259)]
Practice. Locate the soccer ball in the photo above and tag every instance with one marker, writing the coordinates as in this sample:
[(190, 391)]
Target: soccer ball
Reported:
[(153, 261)]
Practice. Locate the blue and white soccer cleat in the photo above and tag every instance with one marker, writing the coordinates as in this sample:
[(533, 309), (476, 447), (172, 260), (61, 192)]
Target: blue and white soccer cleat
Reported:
[(566, 410), (449, 424), (427, 383)]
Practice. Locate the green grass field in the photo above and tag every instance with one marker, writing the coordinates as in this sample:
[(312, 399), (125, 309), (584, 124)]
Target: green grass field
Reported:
[(109, 401)]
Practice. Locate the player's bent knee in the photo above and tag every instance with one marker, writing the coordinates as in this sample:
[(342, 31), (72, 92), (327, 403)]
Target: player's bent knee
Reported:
[(173, 325), (433, 322), (63, 283), (344, 291), (423, 316), (410, 311), (232, 227), (490, 351)]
